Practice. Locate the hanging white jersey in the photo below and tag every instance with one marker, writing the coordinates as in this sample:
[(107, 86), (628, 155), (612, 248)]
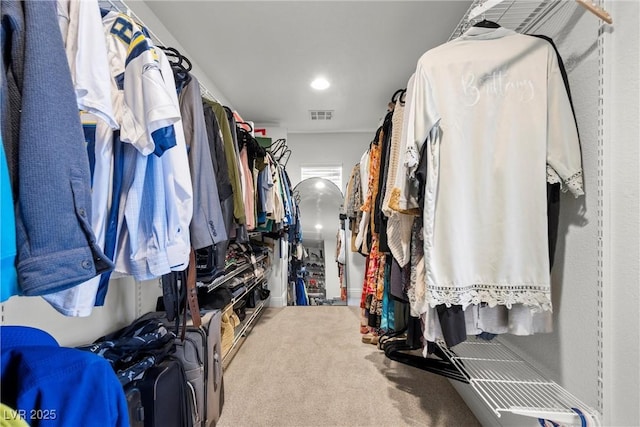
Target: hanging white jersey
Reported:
[(81, 27), (142, 102)]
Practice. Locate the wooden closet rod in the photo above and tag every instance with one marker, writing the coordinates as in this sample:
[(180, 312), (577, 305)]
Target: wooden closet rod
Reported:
[(596, 10)]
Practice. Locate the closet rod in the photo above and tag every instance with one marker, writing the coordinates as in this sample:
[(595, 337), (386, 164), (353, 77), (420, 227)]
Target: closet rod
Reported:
[(122, 7), (596, 10)]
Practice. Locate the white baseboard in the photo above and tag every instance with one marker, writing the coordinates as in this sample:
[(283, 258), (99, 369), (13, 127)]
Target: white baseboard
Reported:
[(354, 296), (278, 302)]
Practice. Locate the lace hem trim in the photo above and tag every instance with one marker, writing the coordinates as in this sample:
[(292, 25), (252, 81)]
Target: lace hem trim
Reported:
[(574, 184), (538, 298), (552, 176)]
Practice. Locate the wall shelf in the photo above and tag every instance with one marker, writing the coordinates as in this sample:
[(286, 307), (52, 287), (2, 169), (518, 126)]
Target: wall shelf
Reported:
[(223, 280), (243, 329), (507, 383)]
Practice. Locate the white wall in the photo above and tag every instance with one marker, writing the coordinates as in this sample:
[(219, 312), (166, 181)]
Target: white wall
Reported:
[(570, 355), (125, 301), (571, 350), (159, 30), (323, 149), (622, 202)]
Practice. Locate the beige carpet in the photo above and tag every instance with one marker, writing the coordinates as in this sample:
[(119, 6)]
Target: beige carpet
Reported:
[(306, 366)]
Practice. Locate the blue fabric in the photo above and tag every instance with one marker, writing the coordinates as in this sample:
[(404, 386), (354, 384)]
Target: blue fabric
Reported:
[(263, 188), (47, 158), (286, 196), (8, 276), (388, 307), (18, 336), (487, 336), (164, 139), (301, 293), (90, 141), (58, 386), (112, 222)]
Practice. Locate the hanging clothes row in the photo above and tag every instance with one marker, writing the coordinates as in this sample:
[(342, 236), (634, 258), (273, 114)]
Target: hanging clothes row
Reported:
[(456, 202), (161, 170)]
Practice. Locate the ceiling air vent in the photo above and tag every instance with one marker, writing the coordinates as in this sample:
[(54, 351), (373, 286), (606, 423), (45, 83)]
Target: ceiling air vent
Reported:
[(321, 114)]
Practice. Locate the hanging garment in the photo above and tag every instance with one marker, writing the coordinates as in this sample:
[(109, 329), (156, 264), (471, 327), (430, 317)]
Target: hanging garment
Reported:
[(352, 199), (398, 223), (404, 193), (177, 182), (380, 220), (147, 110), (58, 248), (388, 316), (231, 158), (249, 196), (492, 192), (216, 146), (85, 45), (80, 300), (393, 156), (143, 105), (207, 226), (301, 292), (233, 128)]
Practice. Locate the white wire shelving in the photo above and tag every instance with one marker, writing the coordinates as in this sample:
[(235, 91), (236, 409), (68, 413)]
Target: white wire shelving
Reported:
[(507, 383)]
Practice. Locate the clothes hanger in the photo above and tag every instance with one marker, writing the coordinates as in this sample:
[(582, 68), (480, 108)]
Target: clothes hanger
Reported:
[(485, 23), (246, 124), (278, 154), (287, 153), (397, 94), (394, 350), (172, 52), (278, 146)]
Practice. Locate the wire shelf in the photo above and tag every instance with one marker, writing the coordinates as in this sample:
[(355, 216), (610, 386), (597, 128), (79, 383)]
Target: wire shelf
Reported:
[(522, 16), (507, 383)]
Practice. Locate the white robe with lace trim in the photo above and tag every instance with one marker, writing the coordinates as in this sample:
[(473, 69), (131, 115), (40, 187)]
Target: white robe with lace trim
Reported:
[(502, 115)]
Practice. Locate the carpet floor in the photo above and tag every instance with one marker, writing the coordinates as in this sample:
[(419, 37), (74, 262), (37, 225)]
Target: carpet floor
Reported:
[(307, 366)]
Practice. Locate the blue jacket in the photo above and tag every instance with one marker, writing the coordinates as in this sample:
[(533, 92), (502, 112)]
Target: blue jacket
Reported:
[(46, 154), (53, 386)]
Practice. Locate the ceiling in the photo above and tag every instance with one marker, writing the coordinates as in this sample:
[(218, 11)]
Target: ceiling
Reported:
[(263, 55)]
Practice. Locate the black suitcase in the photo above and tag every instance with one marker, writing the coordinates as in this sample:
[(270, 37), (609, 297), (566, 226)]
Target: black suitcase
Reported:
[(160, 398), (192, 352)]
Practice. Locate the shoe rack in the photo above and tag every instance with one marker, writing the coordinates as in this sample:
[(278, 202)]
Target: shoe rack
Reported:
[(314, 279)]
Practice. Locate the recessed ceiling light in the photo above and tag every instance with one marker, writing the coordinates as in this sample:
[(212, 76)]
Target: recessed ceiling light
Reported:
[(320, 83), (318, 226)]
